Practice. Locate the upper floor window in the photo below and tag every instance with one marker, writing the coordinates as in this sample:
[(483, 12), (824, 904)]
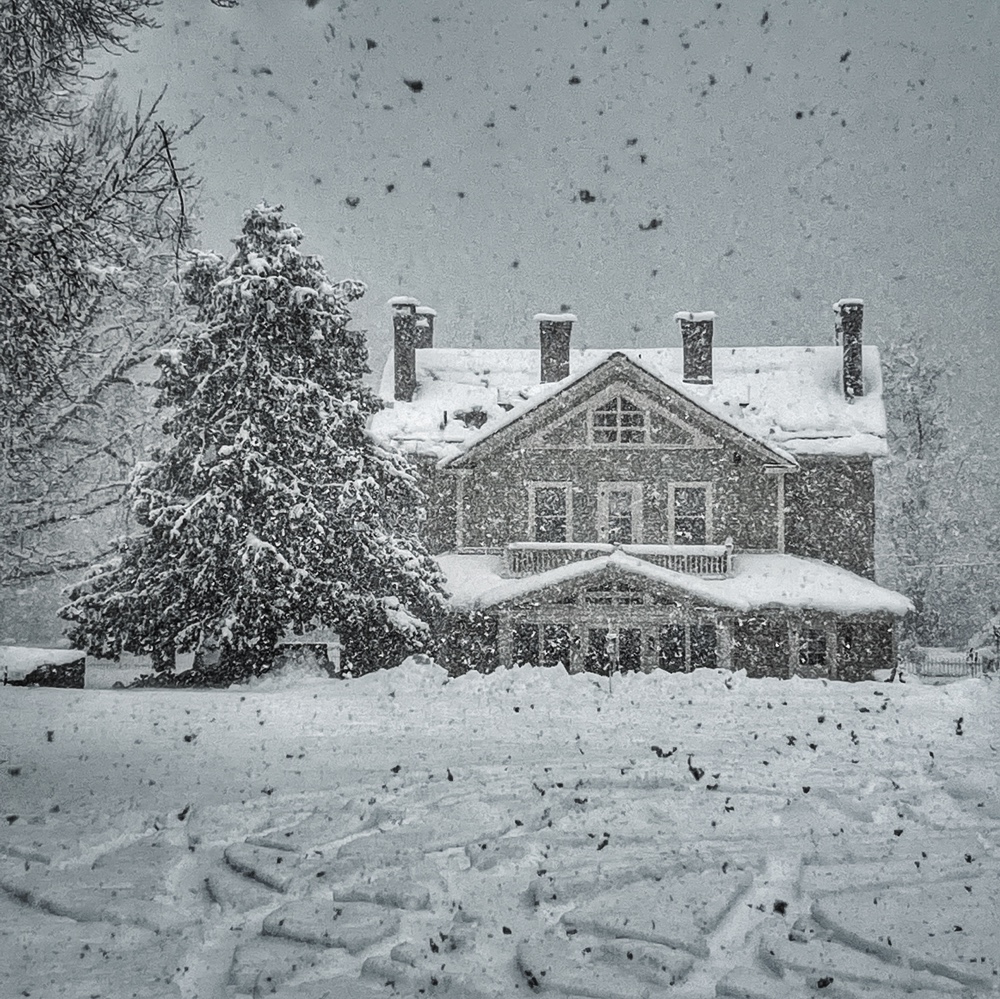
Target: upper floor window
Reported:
[(549, 511), (619, 512), (690, 513), (619, 421)]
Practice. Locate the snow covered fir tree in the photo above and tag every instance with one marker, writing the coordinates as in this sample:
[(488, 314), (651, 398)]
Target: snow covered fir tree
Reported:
[(270, 510)]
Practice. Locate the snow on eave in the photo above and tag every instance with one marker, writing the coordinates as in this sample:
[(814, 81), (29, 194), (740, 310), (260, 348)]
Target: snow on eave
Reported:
[(513, 589), (846, 446), (548, 391), (758, 582), (786, 458), (799, 583)]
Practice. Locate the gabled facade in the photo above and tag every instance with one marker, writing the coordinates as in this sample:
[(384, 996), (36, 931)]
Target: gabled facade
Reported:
[(663, 508)]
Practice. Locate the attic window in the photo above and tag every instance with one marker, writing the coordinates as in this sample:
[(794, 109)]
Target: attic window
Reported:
[(616, 595), (619, 421)]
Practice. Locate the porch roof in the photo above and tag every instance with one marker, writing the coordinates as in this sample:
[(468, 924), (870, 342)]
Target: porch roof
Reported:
[(757, 582)]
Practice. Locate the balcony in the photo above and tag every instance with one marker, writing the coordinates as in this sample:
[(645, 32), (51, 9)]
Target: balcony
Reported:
[(525, 558)]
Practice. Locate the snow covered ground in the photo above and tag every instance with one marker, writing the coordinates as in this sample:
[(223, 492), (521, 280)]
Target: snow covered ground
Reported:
[(663, 835)]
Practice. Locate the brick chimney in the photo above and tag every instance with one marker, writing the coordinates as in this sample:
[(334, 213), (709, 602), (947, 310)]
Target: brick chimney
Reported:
[(554, 332), (850, 313), (425, 327), (696, 336), (404, 343)]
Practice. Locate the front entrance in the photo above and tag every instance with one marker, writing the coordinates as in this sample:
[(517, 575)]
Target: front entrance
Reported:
[(604, 647), (613, 650)]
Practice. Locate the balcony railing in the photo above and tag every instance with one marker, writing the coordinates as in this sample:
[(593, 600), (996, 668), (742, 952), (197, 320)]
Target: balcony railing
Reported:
[(525, 558)]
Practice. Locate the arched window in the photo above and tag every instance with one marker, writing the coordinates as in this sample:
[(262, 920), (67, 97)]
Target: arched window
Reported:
[(619, 421)]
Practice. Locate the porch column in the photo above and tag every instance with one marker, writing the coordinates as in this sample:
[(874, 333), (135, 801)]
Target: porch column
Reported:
[(832, 633), (460, 509), (504, 643), (793, 648), (724, 643), (781, 511)]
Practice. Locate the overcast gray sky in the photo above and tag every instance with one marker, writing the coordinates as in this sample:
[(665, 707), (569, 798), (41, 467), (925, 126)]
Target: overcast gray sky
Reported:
[(618, 158)]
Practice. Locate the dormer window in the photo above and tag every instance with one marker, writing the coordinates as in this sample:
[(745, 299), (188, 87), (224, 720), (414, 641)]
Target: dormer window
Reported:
[(619, 421)]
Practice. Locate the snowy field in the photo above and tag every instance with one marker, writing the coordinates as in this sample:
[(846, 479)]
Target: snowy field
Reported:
[(664, 835)]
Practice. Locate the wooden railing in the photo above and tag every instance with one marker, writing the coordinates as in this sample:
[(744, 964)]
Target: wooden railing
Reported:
[(946, 666), (525, 558)]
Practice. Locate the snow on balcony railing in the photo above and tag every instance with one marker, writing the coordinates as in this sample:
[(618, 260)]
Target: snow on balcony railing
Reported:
[(525, 558)]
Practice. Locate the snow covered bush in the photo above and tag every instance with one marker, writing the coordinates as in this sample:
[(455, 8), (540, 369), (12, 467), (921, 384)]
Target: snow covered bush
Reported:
[(271, 510)]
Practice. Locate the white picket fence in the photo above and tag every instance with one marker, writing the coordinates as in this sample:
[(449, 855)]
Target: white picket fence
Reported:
[(957, 665)]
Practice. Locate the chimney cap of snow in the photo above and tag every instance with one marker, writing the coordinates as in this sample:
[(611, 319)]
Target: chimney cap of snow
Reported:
[(554, 317), (847, 303), (425, 310), (695, 317), (402, 300)]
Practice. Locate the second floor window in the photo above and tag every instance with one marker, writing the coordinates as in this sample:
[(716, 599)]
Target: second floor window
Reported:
[(619, 512), (690, 515), (550, 512), (619, 421)]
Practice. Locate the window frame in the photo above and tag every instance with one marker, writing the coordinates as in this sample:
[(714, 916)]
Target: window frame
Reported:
[(618, 427), (604, 491), (813, 642), (684, 630), (533, 487), (672, 488)]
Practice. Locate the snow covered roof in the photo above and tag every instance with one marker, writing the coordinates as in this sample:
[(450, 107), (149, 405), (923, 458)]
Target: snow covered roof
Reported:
[(788, 582), (790, 398)]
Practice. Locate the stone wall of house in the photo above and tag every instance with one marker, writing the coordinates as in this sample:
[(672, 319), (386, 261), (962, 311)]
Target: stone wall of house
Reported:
[(744, 503), (864, 646), (830, 512), (437, 531)]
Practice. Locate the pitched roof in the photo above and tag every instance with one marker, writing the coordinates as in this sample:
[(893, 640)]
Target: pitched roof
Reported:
[(789, 398), (788, 582)]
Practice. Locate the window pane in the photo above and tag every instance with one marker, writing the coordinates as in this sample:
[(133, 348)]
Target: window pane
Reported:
[(689, 531), (557, 646), (619, 421), (672, 647), (690, 515), (524, 647), (703, 646), (812, 648), (629, 650), (689, 501), (550, 514), (598, 654), (620, 517)]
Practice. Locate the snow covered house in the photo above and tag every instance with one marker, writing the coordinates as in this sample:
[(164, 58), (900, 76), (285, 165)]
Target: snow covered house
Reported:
[(669, 507)]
